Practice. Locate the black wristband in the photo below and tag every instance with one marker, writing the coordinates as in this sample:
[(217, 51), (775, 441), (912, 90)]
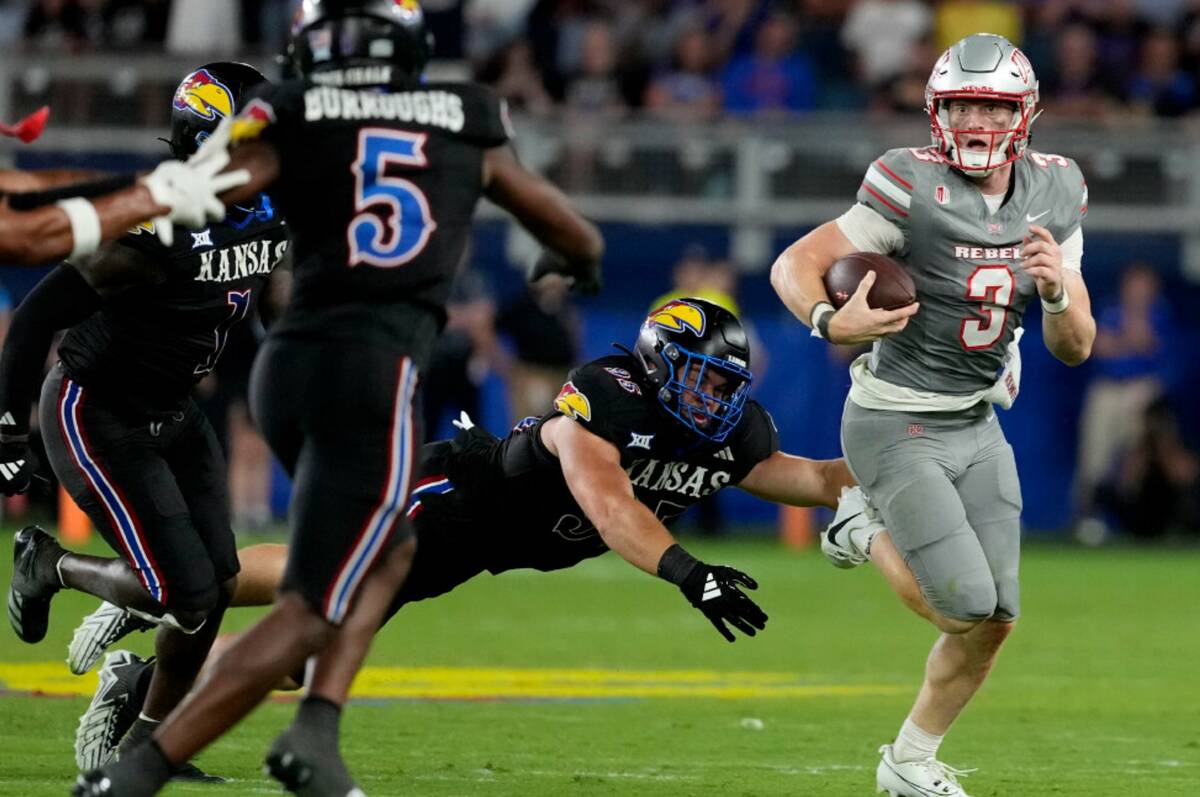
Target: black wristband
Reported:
[(823, 324), (35, 199), (676, 564)]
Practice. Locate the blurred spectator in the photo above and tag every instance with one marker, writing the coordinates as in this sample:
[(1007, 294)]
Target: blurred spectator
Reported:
[(58, 24), (882, 35), (131, 23), (445, 19), (515, 78), (774, 78), (1189, 35), (267, 24), (1128, 362), (543, 326), (905, 93), (464, 354), (697, 274), (955, 19), (1161, 12), (1156, 485), (1120, 31), (687, 90), (1075, 87), (492, 24), (209, 29), (1160, 86), (594, 90)]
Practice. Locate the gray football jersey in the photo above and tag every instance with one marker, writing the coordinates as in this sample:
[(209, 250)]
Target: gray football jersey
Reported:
[(965, 261)]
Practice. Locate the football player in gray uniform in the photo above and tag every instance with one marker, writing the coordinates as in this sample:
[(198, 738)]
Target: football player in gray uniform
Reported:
[(982, 224)]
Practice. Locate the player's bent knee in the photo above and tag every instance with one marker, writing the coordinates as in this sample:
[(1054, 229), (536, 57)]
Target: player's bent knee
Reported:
[(952, 626), (964, 600)]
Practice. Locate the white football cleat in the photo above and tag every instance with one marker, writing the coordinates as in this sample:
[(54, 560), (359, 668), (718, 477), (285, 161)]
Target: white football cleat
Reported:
[(114, 708), (97, 633), (855, 520), (925, 778)]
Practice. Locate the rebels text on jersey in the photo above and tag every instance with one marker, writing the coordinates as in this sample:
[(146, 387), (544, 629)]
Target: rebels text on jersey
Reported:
[(523, 500), (965, 261), (148, 346), (379, 186)]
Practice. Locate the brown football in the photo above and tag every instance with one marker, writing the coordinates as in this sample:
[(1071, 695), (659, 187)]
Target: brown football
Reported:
[(893, 286)]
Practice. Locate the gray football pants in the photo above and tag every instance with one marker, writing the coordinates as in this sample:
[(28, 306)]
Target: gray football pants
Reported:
[(946, 485)]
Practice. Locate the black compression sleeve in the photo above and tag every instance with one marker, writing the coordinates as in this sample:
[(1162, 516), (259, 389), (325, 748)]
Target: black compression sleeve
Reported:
[(62, 299), (35, 199)]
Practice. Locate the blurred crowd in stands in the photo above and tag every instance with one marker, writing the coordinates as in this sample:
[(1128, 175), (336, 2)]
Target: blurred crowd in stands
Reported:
[(695, 59)]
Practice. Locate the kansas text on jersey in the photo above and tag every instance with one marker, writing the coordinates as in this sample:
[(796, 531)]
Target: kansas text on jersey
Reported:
[(515, 490), (148, 346)]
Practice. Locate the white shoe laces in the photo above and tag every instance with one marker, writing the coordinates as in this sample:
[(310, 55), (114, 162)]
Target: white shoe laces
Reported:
[(943, 771)]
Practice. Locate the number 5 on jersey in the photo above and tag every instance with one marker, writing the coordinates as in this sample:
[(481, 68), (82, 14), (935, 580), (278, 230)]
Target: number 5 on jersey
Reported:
[(408, 225), (994, 287)]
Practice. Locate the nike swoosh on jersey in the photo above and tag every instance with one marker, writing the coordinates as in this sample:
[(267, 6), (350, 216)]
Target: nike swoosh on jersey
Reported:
[(1032, 219)]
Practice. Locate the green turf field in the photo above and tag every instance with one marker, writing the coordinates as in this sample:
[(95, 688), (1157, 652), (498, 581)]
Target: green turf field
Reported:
[(1096, 694)]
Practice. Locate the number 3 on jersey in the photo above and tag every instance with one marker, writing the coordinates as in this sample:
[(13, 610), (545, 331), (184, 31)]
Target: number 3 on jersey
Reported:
[(408, 221), (993, 286)]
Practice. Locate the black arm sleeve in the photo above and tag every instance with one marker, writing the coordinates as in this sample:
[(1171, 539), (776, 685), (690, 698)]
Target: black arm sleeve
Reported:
[(61, 300)]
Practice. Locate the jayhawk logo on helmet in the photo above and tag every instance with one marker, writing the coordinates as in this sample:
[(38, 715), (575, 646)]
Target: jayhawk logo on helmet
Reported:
[(408, 8), (205, 96), (678, 316), (572, 403)]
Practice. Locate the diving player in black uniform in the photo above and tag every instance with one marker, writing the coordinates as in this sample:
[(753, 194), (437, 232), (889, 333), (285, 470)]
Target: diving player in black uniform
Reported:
[(631, 442), (146, 322), (378, 174)]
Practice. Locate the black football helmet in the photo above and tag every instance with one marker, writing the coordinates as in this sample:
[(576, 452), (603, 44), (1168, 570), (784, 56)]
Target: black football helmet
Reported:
[(205, 97), (343, 34), (697, 357)]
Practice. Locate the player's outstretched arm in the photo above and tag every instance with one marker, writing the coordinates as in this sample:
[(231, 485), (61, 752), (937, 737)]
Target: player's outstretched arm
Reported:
[(796, 481), (547, 213), (174, 193), (72, 227), (17, 181), (593, 472)]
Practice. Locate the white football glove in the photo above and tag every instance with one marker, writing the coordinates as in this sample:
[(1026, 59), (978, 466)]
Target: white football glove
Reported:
[(1008, 384), (190, 188)]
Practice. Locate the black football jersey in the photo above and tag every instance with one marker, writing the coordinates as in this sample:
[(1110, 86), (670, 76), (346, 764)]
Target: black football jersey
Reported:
[(379, 186), (524, 498), (147, 347)]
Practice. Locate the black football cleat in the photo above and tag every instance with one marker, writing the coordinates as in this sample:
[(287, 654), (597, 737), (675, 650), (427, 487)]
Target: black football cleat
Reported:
[(32, 587), (141, 772), (309, 769), (190, 773)]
